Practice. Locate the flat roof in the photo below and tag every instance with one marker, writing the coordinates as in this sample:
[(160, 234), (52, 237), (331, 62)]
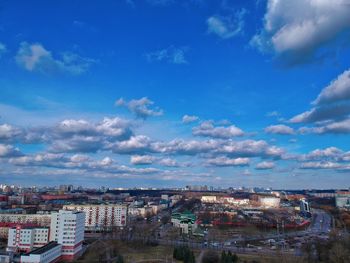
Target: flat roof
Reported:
[(43, 249)]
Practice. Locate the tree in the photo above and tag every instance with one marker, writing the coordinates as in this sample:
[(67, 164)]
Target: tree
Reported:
[(210, 257), (228, 258), (339, 254), (165, 219), (184, 254)]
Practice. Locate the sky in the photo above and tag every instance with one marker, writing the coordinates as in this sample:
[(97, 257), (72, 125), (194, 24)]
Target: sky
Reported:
[(169, 93)]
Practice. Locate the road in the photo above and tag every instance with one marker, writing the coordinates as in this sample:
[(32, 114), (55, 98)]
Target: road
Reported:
[(322, 222)]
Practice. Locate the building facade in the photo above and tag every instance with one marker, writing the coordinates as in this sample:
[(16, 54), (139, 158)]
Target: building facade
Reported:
[(67, 229), (27, 238), (50, 253), (102, 216)]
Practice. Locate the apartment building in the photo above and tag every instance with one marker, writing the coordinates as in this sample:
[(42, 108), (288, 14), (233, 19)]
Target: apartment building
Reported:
[(102, 216), (25, 239), (35, 219), (67, 229)]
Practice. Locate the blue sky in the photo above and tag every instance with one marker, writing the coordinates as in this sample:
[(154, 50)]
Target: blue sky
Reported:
[(170, 93)]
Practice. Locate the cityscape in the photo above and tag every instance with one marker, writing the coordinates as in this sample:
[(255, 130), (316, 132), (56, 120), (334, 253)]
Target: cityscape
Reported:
[(175, 131), (69, 223)]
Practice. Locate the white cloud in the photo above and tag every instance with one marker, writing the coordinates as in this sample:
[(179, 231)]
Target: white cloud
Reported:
[(336, 127), (299, 29), (170, 162), (207, 129), (9, 151), (320, 165), (227, 26), (337, 90), (265, 165), (9, 133), (35, 58), (279, 129), (224, 161), (189, 118), (173, 55), (331, 110), (141, 159), (140, 107)]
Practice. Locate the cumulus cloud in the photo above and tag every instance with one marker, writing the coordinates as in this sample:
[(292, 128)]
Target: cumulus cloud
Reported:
[(35, 58), (279, 129), (337, 90), (208, 129), (141, 159), (189, 118), (224, 161), (327, 158), (331, 110), (330, 153), (138, 144), (9, 132), (265, 165), (9, 151), (171, 162), (84, 136), (320, 165), (173, 55), (298, 30), (227, 26), (323, 113), (141, 107), (250, 148)]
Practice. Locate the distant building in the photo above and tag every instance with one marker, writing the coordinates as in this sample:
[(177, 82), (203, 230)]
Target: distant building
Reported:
[(7, 220), (164, 197), (27, 238), (208, 199), (269, 201), (304, 206), (51, 252), (342, 200), (185, 221), (67, 229), (102, 216)]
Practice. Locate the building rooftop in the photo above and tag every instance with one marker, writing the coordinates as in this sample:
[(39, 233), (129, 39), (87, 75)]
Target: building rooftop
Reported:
[(43, 249)]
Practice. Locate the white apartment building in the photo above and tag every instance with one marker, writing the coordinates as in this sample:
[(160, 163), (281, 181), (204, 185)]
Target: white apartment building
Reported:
[(208, 199), (67, 229), (102, 216), (27, 238), (49, 253), (37, 219)]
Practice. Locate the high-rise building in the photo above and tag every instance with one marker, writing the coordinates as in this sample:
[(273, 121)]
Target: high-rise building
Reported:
[(67, 229), (102, 216)]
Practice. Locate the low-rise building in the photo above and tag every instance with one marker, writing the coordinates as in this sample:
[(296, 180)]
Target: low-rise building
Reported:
[(342, 200), (185, 221), (208, 199), (51, 252), (269, 201), (27, 238)]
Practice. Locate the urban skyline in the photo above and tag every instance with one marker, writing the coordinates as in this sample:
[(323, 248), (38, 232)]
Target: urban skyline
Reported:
[(163, 93)]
